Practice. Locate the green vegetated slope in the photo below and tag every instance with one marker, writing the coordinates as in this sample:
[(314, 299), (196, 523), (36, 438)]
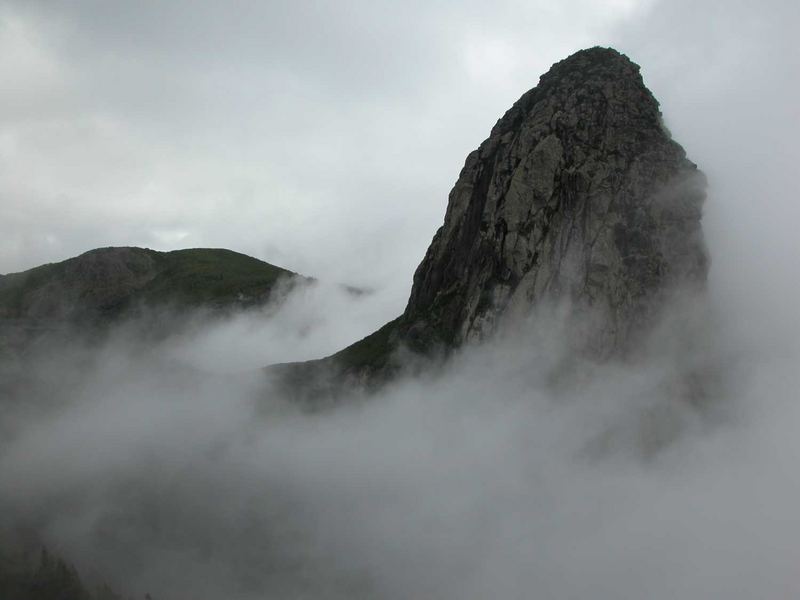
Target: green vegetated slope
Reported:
[(108, 283), (212, 277), (311, 381), (373, 350)]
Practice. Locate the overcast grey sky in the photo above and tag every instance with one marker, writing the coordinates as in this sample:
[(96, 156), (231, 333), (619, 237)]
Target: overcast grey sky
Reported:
[(324, 136)]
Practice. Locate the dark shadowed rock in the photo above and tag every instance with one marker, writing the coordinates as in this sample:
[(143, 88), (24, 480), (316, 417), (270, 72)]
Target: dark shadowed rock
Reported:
[(579, 194), (578, 197)]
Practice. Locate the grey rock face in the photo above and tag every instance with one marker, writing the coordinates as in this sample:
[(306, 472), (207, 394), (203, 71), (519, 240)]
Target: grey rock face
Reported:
[(578, 199), (579, 195)]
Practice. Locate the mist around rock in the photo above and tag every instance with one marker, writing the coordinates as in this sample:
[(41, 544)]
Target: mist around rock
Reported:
[(494, 477)]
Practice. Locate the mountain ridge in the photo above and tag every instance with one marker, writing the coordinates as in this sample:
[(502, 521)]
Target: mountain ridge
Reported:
[(111, 279), (579, 196), (83, 297)]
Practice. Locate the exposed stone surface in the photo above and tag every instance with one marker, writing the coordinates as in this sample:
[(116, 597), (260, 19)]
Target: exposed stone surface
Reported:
[(579, 196)]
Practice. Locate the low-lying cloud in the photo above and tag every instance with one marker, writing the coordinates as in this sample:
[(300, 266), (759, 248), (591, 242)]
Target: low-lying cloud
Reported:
[(485, 480)]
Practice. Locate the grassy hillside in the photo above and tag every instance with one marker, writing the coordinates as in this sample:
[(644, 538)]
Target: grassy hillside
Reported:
[(211, 276), (107, 282)]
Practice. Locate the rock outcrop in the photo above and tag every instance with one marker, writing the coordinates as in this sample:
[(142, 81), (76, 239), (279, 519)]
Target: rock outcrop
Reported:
[(579, 196)]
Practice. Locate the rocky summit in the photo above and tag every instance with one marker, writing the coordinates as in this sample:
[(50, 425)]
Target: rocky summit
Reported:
[(580, 197), (578, 194)]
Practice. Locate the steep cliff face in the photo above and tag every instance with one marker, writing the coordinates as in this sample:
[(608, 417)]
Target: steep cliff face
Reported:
[(579, 195), (579, 199)]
